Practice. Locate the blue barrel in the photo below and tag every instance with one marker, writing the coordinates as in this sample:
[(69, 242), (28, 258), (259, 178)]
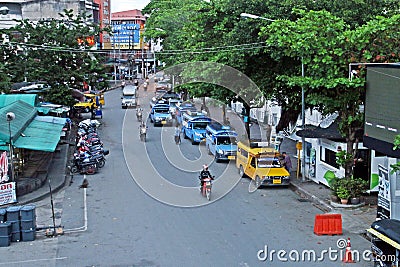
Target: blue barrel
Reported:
[(13, 213), (5, 241), (3, 215), (28, 213), (16, 236), (5, 229), (15, 226), (28, 235), (28, 225)]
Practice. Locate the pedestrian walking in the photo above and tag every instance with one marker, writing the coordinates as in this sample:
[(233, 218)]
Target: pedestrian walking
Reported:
[(268, 131), (287, 163), (177, 135)]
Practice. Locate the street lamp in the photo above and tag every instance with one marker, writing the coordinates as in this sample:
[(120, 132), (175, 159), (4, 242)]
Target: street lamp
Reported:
[(10, 116), (251, 16), (303, 161)]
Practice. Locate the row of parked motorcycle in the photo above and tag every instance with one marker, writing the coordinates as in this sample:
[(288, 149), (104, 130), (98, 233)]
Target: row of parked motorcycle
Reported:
[(89, 155)]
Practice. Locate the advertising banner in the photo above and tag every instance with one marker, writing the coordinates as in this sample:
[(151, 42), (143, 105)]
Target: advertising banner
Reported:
[(126, 36), (384, 197), (8, 193)]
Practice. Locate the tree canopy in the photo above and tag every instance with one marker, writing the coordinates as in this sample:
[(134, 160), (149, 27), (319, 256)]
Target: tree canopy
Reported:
[(53, 51), (323, 36)]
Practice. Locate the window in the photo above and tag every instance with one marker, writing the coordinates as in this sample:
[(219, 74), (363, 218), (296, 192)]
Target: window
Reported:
[(243, 153), (253, 162), (329, 157)]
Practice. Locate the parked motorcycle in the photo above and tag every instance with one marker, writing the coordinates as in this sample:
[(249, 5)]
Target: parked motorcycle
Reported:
[(88, 167)]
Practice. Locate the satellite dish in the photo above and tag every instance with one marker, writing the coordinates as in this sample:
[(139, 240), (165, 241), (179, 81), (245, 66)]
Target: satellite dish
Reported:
[(328, 120)]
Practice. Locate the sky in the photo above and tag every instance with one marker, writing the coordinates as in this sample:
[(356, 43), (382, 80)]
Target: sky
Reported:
[(124, 5)]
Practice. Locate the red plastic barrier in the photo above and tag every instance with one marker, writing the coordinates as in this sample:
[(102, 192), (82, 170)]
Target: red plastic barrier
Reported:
[(328, 224)]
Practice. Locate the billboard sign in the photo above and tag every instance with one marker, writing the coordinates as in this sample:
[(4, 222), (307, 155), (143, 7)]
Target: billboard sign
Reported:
[(126, 36)]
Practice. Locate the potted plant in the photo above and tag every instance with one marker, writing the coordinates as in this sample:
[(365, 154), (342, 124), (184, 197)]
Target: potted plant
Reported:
[(357, 188), (333, 184), (343, 193)]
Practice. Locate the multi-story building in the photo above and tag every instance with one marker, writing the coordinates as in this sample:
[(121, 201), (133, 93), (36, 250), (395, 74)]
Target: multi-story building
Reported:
[(129, 43), (104, 21), (34, 10)]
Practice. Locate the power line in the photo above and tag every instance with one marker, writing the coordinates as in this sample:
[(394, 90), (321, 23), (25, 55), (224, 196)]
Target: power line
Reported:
[(218, 49)]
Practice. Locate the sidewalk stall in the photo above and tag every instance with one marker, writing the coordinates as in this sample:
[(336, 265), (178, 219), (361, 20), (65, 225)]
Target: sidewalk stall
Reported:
[(385, 242)]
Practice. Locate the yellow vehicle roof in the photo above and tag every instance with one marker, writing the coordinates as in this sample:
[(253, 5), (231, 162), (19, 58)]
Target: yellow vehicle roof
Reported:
[(93, 95), (84, 104), (259, 151)]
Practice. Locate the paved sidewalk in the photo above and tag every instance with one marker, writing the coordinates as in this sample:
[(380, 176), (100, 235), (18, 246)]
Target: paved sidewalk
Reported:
[(355, 219)]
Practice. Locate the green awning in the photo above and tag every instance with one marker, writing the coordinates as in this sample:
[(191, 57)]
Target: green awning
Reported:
[(40, 135)]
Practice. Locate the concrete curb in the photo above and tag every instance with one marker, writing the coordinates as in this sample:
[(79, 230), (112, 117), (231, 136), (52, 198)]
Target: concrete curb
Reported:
[(314, 199)]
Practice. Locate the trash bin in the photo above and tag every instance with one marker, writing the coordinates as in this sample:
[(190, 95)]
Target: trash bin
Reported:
[(5, 234), (16, 236), (3, 215), (28, 235), (13, 213), (28, 213), (15, 226), (5, 229)]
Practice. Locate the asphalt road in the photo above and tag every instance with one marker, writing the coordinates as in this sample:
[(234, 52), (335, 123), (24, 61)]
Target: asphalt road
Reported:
[(144, 209)]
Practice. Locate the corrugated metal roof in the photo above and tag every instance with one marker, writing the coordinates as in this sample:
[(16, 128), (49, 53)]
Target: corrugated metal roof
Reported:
[(6, 100), (24, 114), (40, 135)]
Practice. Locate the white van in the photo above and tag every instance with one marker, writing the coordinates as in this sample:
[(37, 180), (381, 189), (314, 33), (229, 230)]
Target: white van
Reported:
[(129, 96)]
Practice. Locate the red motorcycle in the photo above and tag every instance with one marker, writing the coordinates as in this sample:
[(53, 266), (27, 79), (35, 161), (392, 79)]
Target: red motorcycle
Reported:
[(206, 187)]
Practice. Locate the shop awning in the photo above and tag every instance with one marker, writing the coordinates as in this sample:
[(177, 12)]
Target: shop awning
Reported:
[(40, 135), (331, 132)]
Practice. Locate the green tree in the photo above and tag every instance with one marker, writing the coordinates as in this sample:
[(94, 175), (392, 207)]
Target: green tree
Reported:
[(326, 45), (55, 51)]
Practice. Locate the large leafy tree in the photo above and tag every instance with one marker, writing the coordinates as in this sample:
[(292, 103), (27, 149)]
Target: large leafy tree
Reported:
[(56, 52), (326, 45), (214, 31)]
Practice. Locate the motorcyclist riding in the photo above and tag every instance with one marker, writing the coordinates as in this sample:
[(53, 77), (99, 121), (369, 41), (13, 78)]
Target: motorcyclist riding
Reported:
[(139, 113), (204, 174), (142, 131), (142, 127)]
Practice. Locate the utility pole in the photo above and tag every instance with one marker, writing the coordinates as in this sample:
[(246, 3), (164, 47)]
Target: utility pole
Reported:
[(115, 67)]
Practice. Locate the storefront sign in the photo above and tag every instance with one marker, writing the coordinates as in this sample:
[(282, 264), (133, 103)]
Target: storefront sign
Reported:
[(8, 193)]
